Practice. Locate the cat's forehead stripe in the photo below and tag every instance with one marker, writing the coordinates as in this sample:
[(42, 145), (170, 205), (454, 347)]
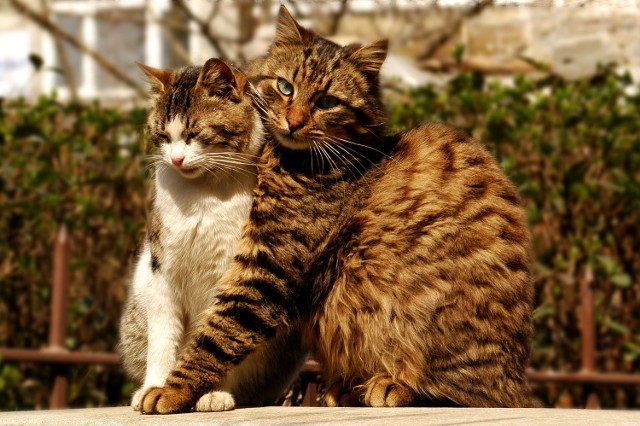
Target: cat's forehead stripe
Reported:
[(319, 63), (180, 100), (175, 127), (327, 85), (316, 60)]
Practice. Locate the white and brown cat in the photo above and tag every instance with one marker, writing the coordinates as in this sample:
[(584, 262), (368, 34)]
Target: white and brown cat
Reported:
[(208, 136)]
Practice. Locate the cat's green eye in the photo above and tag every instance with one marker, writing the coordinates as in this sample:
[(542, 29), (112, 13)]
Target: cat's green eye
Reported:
[(285, 87), (327, 102)]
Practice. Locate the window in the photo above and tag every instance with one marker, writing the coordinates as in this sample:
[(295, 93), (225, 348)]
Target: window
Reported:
[(123, 32)]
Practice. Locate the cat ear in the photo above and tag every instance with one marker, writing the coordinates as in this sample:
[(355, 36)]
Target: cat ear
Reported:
[(159, 80), (240, 85), (370, 57), (288, 31), (217, 78)]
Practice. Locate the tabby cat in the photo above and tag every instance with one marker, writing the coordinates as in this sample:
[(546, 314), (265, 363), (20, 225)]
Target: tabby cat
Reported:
[(208, 136), (404, 259)]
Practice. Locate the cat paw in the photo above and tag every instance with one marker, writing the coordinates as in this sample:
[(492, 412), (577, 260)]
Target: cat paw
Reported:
[(382, 391), (216, 401), (137, 398), (339, 396), (166, 401)]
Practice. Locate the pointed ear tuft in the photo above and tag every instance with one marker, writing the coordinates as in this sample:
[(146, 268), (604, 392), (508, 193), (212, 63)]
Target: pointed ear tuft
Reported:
[(370, 57), (288, 31), (218, 79), (159, 80), (241, 82)]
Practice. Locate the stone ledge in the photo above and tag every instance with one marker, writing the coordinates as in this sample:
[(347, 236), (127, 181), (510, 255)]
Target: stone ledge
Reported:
[(323, 416)]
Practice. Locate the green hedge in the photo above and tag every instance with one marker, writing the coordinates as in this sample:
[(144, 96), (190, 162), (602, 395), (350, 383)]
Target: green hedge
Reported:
[(571, 148), (81, 166)]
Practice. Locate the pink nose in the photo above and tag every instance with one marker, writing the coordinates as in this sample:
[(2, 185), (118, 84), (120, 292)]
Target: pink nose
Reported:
[(294, 124), (177, 161), (296, 118)]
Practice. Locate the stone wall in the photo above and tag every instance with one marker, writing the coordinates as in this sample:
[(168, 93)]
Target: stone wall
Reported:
[(572, 40), (569, 38)]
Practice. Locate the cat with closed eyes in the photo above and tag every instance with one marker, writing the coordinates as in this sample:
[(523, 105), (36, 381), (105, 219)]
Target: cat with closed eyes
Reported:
[(207, 137), (404, 259)]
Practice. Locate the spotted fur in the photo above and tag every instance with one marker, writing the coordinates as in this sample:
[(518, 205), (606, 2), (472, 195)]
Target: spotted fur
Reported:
[(405, 259)]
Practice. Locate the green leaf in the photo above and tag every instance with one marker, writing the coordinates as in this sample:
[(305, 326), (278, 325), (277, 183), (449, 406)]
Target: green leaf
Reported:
[(458, 51), (632, 347), (607, 263), (616, 326), (621, 280), (543, 311)]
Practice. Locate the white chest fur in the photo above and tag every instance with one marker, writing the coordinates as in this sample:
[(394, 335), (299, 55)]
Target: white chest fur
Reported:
[(202, 223)]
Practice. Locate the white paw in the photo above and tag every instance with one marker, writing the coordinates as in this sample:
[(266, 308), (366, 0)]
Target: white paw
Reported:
[(137, 398), (216, 401)]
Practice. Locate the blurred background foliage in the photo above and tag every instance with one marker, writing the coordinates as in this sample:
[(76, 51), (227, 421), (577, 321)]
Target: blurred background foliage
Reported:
[(81, 166), (572, 149)]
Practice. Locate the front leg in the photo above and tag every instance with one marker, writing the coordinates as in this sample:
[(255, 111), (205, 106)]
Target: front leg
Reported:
[(164, 327), (248, 312), (230, 334)]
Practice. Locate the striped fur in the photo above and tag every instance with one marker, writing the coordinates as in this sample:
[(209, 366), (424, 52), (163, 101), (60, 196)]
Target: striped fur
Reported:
[(405, 259)]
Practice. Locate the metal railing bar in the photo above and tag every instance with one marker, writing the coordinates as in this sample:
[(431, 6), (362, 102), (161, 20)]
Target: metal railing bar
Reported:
[(58, 356)]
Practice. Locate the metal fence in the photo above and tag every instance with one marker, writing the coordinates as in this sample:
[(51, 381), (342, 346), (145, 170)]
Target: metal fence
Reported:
[(60, 358), (56, 354)]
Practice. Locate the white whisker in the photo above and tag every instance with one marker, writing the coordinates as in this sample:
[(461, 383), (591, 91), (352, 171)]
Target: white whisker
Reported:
[(261, 103), (214, 169), (375, 125), (357, 154), (329, 159), (362, 145), (255, 91), (229, 161), (229, 154), (350, 164), (316, 147), (311, 152), (228, 168), (322, 147)]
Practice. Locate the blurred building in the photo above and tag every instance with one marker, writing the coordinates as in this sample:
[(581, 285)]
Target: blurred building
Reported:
[(120, 32), (571, 36)]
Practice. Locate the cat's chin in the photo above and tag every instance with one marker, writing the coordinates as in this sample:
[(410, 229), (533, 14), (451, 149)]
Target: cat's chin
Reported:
[(191, 173), (292, 143)]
